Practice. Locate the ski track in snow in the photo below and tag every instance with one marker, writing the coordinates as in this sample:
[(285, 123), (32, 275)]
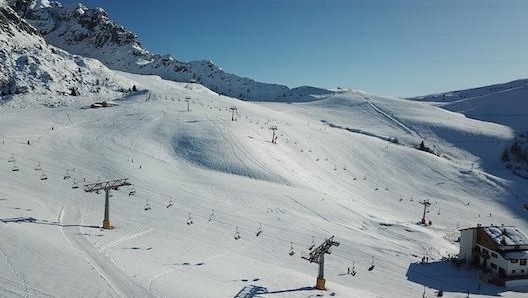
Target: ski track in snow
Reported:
[(122, 285), (138, 232), (393, 119)]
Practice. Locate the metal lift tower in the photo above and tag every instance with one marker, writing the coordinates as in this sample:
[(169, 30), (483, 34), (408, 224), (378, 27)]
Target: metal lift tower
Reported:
[(317, 256), (273, 139), (233, 109), (106, 186), (426, 204)]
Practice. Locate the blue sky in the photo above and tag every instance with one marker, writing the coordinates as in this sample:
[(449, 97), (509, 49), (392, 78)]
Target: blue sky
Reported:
[(386, 47)]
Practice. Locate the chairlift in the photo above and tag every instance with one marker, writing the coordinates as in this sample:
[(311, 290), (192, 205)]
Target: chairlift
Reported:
[(169, 204), (75, 184), (43, 176), (313, 243), (237, 234), (132, 192), (38, 167), (371, 265), (292, 252), (11, 158), (189, 220), (15, 167), (212, 215), (259, 230), (147, 205)]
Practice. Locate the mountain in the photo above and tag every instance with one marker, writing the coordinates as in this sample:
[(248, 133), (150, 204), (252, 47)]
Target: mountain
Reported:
[(31, 65), (91, 33), (458, 95)]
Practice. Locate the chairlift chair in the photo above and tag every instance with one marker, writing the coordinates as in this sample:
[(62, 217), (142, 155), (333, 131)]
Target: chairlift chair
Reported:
[(259, 230), (147, 205), (212, 215), (371, 265), (237, 234), (15, 167), (75, 185), (292, 252), (132, 192), (38, 167), (189, 220), (43, 176), (67, 175), (313, 243), (169, 204), (11, 158)]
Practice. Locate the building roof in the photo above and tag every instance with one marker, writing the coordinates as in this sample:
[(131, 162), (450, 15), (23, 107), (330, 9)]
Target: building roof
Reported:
[(504, 235), (516, 254)]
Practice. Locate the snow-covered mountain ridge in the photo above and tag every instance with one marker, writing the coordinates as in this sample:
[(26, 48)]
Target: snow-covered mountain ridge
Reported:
[(91, 33), (450, 96), (31, 66)]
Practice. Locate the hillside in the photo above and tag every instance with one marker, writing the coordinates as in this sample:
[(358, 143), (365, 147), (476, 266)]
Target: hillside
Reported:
[(319, 180), (31, 66), (472, 93), (92, 33)]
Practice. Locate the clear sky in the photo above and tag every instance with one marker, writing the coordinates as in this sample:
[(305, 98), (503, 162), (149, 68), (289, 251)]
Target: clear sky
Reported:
[(386, 47)]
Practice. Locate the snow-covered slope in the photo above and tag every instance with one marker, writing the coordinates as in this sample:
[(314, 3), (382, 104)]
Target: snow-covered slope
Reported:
[(31, 66), (319, 180), (474, 92), (91, 33)]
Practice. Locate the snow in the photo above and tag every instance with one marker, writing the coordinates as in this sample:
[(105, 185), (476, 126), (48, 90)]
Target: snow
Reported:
[(333, 172), (516, 255), (318, 181), (506, 235), (37, 4)]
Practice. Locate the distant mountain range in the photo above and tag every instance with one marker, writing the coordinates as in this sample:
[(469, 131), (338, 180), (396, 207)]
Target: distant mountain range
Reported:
[(92, 33)]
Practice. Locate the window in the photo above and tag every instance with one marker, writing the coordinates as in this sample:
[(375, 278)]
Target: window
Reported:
[(514, 260), (523, 262), (493, 254), (493, 266)]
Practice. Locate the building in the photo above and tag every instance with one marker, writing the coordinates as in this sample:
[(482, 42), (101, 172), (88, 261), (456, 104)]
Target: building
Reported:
[(500, 251)]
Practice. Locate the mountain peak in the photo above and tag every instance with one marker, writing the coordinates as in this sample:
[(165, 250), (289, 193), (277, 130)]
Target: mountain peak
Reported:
[(92, 33)]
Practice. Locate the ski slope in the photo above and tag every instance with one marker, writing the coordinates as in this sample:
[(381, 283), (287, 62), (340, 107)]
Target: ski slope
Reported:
[(319, 180)]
